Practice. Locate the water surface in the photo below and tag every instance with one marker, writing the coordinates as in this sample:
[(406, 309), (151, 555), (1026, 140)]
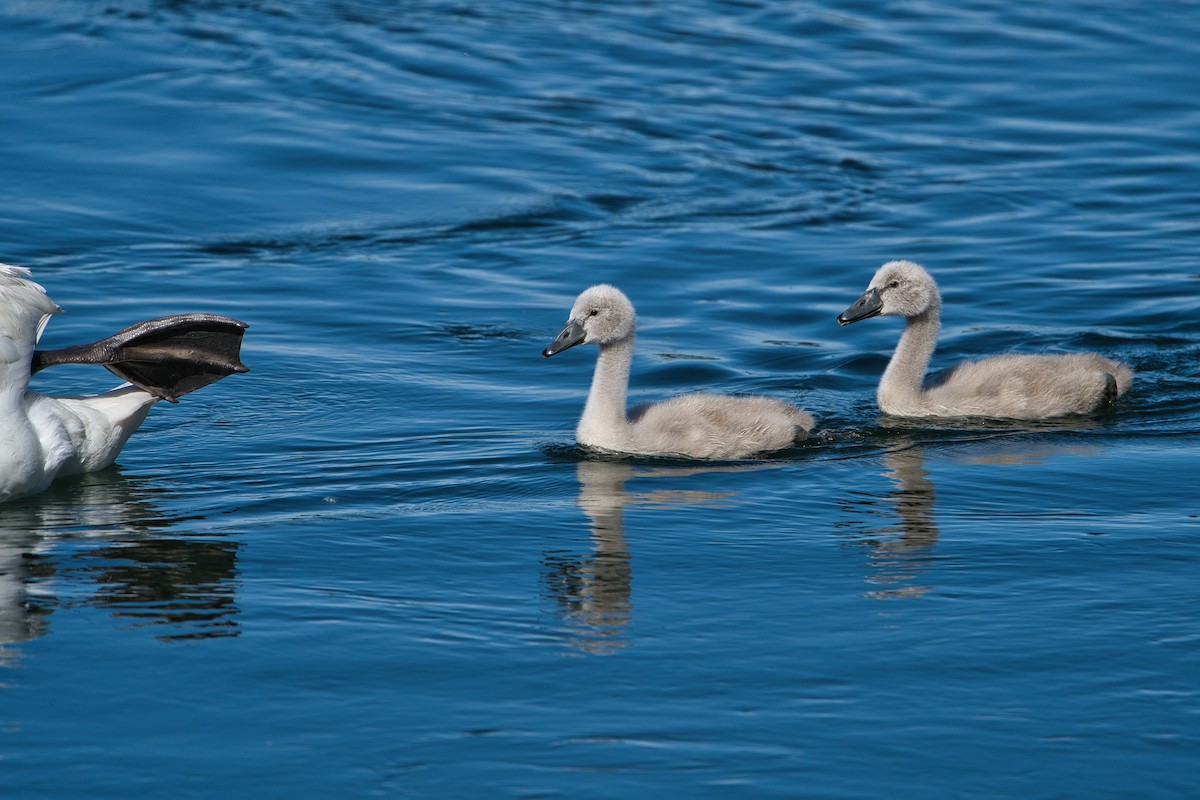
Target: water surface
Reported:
[(378, 566)]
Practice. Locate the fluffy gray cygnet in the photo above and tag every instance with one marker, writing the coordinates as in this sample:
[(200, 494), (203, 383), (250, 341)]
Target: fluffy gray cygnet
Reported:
[(709, 426), (1007, 386)]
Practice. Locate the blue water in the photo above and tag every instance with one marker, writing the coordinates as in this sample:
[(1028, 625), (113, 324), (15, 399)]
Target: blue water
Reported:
[(377, 566)]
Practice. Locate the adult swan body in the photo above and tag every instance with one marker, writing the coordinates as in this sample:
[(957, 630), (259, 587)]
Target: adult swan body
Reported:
[(708, 426), (43, 437), (1008, 386)]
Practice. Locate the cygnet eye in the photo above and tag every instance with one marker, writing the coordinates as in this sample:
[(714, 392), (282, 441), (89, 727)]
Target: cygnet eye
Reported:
[(593, 312), (893, 284)]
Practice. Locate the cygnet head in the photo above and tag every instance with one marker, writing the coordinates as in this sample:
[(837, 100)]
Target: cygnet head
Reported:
[(899, 289), (601, 315)]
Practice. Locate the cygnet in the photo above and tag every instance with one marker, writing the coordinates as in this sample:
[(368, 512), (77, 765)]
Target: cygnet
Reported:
[(708, 426), (1007, 387)]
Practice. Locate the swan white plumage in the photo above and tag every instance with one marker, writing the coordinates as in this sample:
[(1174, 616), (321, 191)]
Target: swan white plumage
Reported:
[(707, 426), (1003, 387), (43, 437)]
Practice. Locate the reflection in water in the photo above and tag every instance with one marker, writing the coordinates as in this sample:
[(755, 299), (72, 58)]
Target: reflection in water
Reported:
[(184, 588), (901, 553), (93, 540), (594, 590), (21, 617)]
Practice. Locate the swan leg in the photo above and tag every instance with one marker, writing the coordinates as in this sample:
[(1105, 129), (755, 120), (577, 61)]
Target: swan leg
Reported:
[(167, 357)]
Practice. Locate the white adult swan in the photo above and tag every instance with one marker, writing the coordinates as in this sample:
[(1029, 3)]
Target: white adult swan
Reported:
[(707, 426), (1008, 386), (41, 437)]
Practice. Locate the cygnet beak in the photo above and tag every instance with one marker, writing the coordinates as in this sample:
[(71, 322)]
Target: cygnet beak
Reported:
[(865, 307), (571, 335)]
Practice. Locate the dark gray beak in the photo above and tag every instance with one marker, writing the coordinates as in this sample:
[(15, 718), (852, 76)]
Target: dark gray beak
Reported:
[(865, 307), (571, 335)]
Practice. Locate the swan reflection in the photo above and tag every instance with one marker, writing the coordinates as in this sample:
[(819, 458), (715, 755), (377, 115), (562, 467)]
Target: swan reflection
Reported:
[(902, 549), (593, 591), (900, 553), (98, 540)]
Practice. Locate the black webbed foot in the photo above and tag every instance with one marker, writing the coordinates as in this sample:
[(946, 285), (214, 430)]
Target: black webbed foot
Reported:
[(167, 357)]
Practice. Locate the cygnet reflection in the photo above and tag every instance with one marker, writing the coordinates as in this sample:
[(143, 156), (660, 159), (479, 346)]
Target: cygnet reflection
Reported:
[(900, 554), (593, 590), (98, 540)]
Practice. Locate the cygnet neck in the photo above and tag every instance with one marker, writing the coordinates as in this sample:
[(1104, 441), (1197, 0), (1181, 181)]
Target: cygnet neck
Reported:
[(900, 387), (604, 414)]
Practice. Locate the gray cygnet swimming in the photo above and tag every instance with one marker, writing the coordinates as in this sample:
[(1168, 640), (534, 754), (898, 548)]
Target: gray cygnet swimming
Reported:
[(708, 426), (1005, 387)]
